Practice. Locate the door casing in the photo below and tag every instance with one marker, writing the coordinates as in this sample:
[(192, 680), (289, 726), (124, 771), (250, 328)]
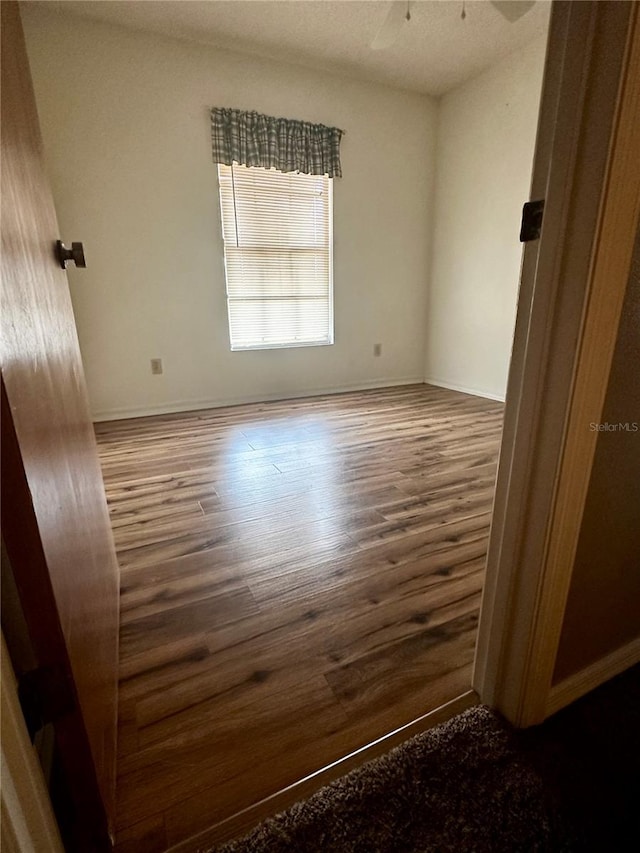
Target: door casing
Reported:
[(572, 287)]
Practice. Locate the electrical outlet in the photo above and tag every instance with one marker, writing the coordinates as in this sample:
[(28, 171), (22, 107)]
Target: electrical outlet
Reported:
[(377, 349), (156, 366)]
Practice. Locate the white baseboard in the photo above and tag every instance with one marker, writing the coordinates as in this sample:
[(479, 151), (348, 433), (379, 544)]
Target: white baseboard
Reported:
[(577, 685), (217, 403), (476, 393)]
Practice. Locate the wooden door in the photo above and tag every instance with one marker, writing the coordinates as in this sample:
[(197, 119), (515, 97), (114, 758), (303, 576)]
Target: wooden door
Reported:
[(55, 518)]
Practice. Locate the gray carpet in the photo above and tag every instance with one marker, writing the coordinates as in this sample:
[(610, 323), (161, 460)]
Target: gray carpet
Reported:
[(476, 784)]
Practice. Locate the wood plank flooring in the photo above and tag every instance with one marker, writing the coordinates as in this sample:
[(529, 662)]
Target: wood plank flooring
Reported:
[(298, 579)]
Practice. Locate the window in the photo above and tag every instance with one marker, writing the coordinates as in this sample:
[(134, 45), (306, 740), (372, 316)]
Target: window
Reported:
[(277, 231)]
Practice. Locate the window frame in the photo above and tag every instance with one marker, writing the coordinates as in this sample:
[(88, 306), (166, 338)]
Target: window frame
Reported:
[(330, 299)]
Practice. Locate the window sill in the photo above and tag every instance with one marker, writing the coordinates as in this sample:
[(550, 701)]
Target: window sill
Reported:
[(282, 346)]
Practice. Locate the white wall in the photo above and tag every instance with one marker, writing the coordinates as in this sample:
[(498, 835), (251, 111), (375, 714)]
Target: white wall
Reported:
[(125, 122), (484, 155)]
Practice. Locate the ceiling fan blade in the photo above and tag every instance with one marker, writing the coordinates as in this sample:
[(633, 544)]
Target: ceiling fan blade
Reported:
[(391, 26), (512, 10)]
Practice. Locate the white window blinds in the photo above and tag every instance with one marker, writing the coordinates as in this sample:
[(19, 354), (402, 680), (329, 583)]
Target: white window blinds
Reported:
[(278, 257)]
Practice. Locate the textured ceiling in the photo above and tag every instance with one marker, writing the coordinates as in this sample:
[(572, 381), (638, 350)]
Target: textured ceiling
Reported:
[(434, 52)]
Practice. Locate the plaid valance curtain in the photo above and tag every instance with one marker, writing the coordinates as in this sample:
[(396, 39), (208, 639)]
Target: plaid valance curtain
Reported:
[(252, 139)]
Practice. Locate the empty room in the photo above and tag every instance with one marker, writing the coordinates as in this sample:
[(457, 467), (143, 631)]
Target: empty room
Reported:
[(295, 305)]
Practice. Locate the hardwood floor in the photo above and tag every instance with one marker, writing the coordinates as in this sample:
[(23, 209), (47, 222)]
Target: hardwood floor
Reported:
[(298, 579)]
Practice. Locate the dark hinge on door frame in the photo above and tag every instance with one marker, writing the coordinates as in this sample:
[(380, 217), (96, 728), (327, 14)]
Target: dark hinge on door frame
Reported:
[(45, 695), (531, 225)]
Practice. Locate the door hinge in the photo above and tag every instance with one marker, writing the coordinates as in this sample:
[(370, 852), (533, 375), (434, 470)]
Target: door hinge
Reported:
[(531, 225), (75, 254), (45, 695)]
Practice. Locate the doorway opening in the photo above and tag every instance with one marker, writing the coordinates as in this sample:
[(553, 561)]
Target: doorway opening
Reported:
[(290, 571)]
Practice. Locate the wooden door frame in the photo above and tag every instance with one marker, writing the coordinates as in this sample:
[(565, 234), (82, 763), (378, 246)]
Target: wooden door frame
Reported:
[(572, 289), (27, 822)]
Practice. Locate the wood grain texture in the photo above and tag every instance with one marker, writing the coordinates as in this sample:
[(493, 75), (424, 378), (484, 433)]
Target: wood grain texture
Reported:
[(298, 580), (35, 603), (242, 822), (43, 376)]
